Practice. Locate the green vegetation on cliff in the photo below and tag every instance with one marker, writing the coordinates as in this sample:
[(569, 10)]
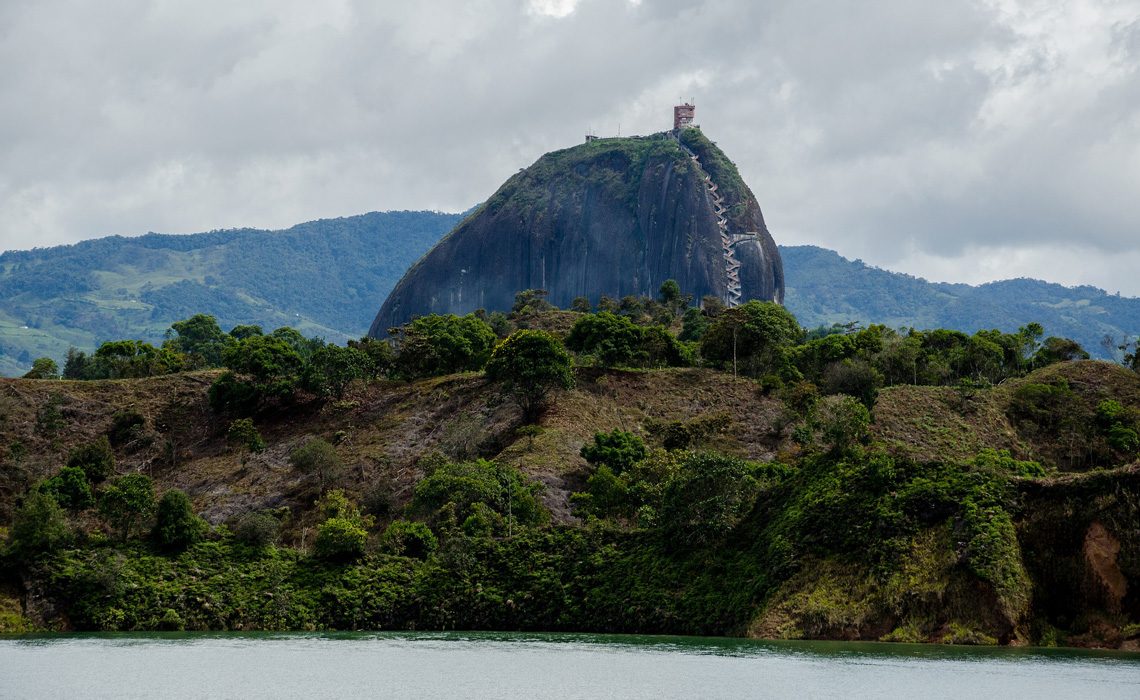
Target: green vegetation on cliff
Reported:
[(919, 486)]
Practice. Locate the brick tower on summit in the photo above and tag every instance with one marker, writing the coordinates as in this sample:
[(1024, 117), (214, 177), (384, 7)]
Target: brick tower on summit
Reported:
[(683, 116)]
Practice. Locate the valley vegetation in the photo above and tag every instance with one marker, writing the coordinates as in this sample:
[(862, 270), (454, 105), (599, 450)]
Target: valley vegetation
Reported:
[(632, 465)]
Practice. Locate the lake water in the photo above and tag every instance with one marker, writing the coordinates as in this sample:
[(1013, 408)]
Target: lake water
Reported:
[(484, 665)]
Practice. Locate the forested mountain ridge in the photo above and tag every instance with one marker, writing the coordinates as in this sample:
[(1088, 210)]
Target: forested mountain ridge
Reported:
[(327, 277), (824, 288), (324, 277)]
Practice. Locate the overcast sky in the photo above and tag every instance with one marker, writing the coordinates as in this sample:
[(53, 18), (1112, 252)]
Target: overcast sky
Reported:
[(950, 139)]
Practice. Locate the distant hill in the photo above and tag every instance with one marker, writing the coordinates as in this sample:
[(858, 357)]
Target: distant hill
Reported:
[(324, 277), (328, 277), (824, 288)]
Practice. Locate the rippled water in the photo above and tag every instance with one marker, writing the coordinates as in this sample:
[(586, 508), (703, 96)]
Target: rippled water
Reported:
[(480, 665)]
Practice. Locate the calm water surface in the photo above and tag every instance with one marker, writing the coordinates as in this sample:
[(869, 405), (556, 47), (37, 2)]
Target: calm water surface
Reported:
[(470, 665)]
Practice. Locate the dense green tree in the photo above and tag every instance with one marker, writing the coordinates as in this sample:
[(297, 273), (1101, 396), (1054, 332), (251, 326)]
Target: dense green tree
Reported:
[(200, 338), (842, 422), (126, 502), (271, 362), (43, 368), (38, 526), (128, 359), (331, 370), (95, 459), (462, 485), (258, 529), (613, 340), (530, 301), (76, 365), (409, 539), (379, 354), (340, 539), (1055, 350), (176, 525), (435, 345), (617, 449), (70, 488), (754, 338), (706, 498), (245, 331), (530, 364)]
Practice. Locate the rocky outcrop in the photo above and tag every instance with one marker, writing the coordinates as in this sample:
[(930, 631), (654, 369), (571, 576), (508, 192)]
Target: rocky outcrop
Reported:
[(610, 217)]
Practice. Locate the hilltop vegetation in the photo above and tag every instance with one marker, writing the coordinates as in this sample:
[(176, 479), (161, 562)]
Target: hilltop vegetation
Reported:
[(825, 288), (323, 277), (326, 277), (684, 471)]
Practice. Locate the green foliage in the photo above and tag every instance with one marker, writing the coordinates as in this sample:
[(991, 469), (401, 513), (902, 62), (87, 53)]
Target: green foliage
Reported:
[(841, 421), (43, 368), (530, 301), (693, 325), (530, 364), (1059, 350), (617, 449), (755, 337), (95, 459), (200, 338), (409, 539), (229, 394), (272, 363), (707, 498), (691, 434), (379, 356), (176, 525), (1003, 461), (38, 526), (462, 485), (126, 426), (49, 417), (70, 489), (243, 434), (611, 339), (436, 345), (258, 529), (319, 459), (340, 539), (126, 502), (331, 370), (616, 341)]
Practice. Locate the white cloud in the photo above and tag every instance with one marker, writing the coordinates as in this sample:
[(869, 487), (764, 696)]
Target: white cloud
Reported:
[(956, 139)]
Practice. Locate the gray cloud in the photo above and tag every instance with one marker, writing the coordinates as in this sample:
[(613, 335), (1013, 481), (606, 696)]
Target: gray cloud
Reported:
[(959, 140)]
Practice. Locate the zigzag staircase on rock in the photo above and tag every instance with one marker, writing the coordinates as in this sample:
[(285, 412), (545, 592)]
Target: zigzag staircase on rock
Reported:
[(728, 241)]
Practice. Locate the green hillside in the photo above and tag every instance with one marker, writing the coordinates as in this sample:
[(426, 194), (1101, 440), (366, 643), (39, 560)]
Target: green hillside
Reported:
[(824, 288), (329, 277), (324, 277)]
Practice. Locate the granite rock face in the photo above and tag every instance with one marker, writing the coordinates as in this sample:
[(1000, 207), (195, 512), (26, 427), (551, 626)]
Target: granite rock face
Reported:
[(610, 217)]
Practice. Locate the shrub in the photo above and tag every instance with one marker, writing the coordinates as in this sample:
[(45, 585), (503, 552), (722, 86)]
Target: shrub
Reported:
[(95, 459), (319, 459), (706, 498), (125, 426), (435, 345), (177, 526), (464, 484), (43, 368), (38, 526), (229, 394), (409, 539), (70, 489), (257, 529), (127, 501), (612, 340), (842, 421), (530, 364), (616, 449), (340, 539), (243, 434)]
